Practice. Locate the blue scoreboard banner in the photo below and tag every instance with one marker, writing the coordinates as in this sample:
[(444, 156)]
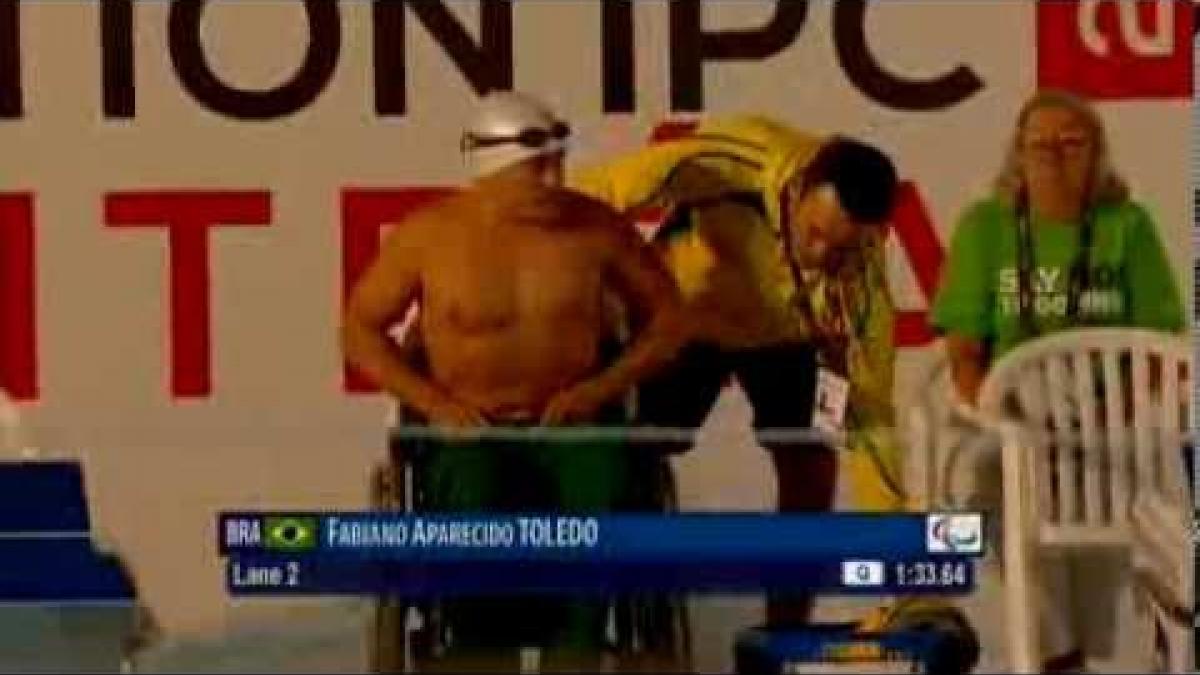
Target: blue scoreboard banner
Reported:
[(449, 554)]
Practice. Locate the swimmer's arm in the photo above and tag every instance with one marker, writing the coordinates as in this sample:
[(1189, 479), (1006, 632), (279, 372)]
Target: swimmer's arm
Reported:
[(641, 278), (382, 297)]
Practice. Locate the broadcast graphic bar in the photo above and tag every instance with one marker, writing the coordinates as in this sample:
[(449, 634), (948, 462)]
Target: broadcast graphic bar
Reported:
[(453, 554)]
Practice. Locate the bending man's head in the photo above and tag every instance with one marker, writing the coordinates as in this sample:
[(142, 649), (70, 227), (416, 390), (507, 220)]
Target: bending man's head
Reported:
[(848, 188), (515, 137)]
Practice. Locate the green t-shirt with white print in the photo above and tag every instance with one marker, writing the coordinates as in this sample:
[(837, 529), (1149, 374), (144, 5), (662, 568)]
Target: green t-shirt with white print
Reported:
[(1131, 283)]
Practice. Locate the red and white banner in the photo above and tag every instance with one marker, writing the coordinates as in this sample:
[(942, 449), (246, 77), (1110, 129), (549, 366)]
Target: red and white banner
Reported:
[(262, 177)]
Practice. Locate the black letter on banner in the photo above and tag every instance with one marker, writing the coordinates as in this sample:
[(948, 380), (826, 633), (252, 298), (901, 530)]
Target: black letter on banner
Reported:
[(116, 35), (691, 46), (487, 65), (850, 35), (618, 56), (187, 53), (11, 94)]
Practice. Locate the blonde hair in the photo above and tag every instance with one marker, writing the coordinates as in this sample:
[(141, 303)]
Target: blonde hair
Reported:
[(1105, 185)]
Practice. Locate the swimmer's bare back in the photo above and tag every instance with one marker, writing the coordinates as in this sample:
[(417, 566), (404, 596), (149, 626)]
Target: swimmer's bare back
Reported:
[(511, 291)]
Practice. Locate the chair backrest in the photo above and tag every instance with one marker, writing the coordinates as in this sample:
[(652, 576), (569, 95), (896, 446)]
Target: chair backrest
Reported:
[(1109, 413)]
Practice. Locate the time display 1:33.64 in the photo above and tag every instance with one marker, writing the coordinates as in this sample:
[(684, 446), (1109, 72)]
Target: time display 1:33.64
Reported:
[(932, 574)]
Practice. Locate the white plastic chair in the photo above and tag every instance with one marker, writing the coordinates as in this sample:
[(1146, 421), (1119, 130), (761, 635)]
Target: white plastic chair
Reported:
[(1093, 423), (944, 439), (923, 423), (1164, 570)]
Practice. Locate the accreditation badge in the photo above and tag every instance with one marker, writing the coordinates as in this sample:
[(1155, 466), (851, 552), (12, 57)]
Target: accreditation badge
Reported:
[(829, 404)]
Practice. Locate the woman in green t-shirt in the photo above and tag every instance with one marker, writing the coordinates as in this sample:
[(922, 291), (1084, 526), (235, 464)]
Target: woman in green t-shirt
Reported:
[(1059, 244)]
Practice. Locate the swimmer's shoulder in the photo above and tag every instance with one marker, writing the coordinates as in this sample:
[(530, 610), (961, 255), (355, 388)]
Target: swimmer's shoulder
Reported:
[(455, 206), (420, 234), (606, 226), (592, 212), (437, 218)]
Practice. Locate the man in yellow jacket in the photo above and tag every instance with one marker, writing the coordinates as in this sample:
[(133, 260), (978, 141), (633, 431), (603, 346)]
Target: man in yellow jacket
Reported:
[(776, 239)]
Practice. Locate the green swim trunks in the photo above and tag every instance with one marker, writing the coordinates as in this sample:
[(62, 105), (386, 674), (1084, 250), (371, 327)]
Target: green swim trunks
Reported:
[(574, 474)]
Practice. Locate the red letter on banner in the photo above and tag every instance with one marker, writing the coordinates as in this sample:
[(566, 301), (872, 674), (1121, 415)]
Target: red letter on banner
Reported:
[(365, 213), (18, 340), (188, 217), (919, 239)]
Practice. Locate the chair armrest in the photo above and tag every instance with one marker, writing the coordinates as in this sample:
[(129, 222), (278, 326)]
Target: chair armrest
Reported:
[(1012, 431), (942, 431), (966, 414), (1162, 551)]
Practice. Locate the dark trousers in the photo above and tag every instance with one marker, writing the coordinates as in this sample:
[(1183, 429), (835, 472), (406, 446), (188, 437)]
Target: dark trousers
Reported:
[(780, 382)]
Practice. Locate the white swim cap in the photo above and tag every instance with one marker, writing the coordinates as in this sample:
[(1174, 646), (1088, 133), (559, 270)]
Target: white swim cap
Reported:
[(511, 127)]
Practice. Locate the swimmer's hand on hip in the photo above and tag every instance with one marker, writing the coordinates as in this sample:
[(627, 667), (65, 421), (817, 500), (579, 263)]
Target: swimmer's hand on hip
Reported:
[(454, 418), (579, 403)]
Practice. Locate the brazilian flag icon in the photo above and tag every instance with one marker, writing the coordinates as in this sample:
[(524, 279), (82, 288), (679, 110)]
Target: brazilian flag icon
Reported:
[(290, 533)]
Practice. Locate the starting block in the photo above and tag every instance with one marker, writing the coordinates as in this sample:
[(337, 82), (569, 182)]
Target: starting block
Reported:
[(843, 648), (64, 606)]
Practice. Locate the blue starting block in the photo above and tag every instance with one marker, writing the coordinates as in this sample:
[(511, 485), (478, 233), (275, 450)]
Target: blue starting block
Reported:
[(828, 648), (64, 606)]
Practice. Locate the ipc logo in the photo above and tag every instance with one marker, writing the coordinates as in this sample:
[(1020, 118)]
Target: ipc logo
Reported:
[(1116, 49), (954, 533)]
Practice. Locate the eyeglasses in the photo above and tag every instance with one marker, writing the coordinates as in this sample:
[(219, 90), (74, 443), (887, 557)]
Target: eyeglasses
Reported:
[(529, 138), (1070, 146)]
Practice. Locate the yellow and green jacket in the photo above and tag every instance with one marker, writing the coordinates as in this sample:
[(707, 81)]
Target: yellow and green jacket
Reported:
[(725, 185)]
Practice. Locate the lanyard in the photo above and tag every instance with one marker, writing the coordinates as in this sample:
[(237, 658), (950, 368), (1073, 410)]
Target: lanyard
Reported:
[(827, 336), (1078, 277)]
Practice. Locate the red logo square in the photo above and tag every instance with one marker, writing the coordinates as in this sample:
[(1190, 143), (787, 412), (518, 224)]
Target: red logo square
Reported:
[(1116, 49)]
